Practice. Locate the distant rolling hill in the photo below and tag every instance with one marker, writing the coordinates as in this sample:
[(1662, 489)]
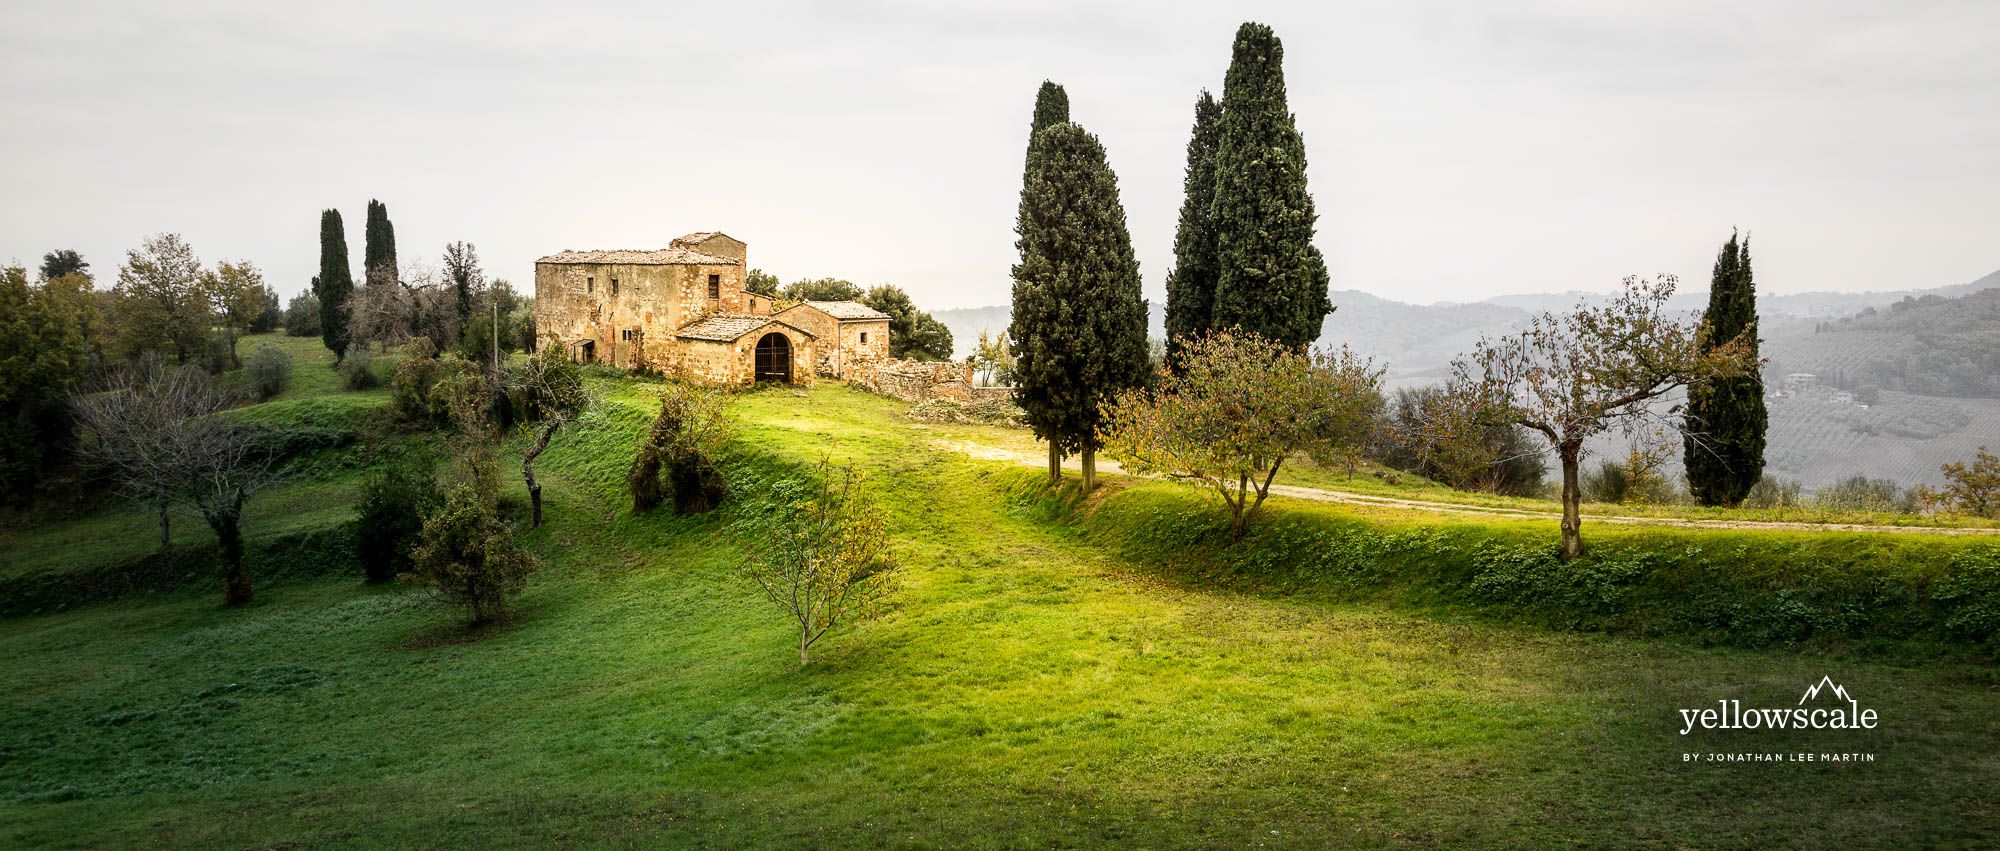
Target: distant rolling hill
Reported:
[(1928, 359)]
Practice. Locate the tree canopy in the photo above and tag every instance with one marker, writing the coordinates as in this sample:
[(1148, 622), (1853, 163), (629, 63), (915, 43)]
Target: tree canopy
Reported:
[(1723, 436), (1079, 321), (1272, 281), (335, 285), (1197, 266)]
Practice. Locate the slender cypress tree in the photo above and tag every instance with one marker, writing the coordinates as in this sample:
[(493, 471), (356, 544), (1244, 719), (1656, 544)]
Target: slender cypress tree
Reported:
[(334, 284), (1191, 285), (1273, 281), (1723, 441), (1079, 325), (1051, 108), (378, 257)]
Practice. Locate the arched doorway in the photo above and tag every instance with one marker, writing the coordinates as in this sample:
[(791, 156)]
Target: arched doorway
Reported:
[(774, 358)]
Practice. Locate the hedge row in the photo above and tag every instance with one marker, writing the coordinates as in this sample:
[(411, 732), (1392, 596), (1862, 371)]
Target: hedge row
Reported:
[(1732, 587)]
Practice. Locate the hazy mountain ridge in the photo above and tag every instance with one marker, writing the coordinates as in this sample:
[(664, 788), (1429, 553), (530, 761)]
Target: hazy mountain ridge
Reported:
[(1926, 396), (1417, 340)]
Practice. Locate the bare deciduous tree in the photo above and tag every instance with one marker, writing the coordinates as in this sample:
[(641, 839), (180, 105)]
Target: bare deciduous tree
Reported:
[(159, 434), (822, 554), (1567, 377), (548, 391)]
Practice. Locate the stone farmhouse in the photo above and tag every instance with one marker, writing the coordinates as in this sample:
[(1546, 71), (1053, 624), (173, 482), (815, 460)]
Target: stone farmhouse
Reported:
[(683, 310)]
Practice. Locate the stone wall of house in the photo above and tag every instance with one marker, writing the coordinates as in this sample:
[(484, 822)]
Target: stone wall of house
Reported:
[(735, 363), (719, 245), (840, 343), (914, 381), (864, 341), (614, 306)]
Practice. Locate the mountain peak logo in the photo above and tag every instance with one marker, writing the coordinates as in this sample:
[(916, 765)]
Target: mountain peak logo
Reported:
[(1813, 690), (1845, 713)]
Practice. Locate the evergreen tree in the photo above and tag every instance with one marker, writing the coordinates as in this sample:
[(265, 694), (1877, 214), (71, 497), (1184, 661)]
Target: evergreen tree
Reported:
[(1726, 419), (63, 261), (334, 285), (1051, 108), (1272, 281), (1191, 284), (1079, 324), (462, 273), (378, 257)]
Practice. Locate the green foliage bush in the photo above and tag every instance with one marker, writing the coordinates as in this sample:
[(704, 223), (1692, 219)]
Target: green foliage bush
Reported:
[(302, 316), (358, 371), (445, 391), (395, 499), (466, 553), (686, 437), (270, 371)]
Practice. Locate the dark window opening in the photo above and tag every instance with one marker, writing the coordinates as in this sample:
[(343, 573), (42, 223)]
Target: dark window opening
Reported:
[(589, 284), (614, 286), (715, 286), (864, 338)]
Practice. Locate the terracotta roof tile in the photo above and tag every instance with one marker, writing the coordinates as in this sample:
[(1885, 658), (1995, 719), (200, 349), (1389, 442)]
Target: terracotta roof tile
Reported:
[(847, 310), (723, 328), (675, 256)]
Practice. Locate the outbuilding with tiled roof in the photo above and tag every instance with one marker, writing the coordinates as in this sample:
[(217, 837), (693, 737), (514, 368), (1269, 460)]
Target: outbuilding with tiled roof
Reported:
[(850, 333)]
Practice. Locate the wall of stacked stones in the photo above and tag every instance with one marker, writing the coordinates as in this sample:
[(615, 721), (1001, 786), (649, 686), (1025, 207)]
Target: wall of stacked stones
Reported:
[(914, 381)]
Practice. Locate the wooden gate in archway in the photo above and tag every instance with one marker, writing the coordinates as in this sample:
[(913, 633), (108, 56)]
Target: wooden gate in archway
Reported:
[(774, 358)]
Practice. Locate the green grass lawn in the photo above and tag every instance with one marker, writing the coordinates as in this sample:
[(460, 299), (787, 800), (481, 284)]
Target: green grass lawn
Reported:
[(1028, 689)]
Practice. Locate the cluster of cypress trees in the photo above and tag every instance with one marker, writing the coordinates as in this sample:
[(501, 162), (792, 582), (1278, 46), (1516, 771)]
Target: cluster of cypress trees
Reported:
[(335, 284), (1723, 437), (1243, 254), (1079, 323)]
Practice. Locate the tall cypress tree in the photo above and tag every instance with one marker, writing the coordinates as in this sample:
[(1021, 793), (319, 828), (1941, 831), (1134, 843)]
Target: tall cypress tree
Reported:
[(334, 284), (1191, 284), (1051, 109), (1723, 443), (1273, 281), (1079, 324), (378, 254)]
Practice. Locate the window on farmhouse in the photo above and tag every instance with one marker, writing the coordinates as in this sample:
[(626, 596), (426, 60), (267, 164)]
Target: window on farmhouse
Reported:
[(614, 286), (864, 338), (589, 284), (715, 286)]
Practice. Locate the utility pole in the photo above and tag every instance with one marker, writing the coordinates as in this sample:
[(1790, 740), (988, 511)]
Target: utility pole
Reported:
[(495, 304)]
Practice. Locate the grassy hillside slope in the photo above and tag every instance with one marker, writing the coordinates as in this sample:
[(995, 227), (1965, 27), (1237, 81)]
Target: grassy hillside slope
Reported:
[(1036, 685)]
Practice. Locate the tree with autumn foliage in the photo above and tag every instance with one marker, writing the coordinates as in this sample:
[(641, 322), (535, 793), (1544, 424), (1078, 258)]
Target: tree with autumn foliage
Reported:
[(1971, 488), (1570, 376), (1236, 407)]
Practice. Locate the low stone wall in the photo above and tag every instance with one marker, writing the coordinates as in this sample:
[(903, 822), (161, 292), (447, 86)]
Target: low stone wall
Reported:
[(915, 381)]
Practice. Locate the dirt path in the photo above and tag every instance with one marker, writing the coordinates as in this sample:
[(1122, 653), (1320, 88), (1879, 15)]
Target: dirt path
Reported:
[(997, 453)]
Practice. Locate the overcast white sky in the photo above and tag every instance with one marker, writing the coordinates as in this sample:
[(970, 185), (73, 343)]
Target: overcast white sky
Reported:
[(1458, 150)]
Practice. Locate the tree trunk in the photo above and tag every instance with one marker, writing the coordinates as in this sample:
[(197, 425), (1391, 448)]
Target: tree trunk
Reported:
[(166, 527), (1055, 463), (1089, 469), (1238, 520), (804, 644), (235, 580), (528, 472), (1572, 499)]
